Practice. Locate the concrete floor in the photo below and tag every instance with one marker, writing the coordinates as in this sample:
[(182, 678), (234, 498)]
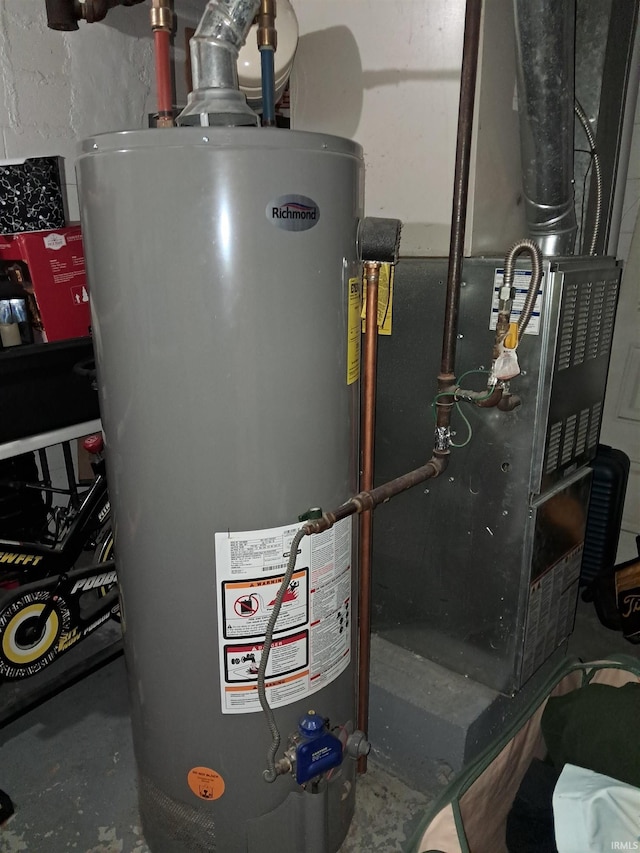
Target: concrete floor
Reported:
[(69, 769)]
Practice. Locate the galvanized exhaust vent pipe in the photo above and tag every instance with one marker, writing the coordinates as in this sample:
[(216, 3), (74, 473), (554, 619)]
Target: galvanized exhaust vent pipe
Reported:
[(216, 99), (545, 33)]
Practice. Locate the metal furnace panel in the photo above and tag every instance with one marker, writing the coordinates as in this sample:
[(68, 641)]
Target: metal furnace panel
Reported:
[(453, 560), (580, 364)]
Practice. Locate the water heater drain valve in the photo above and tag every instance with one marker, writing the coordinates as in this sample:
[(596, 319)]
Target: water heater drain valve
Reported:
[(313, 749)]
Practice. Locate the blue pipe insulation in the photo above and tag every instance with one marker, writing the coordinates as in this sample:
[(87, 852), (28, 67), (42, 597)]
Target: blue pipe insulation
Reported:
[(268, 85)]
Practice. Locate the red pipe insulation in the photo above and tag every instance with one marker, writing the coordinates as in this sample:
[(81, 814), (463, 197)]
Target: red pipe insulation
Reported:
[(161, 41)]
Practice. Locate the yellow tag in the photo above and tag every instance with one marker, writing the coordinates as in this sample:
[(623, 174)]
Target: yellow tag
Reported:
[(511, 338), (385, 300), (353, 332)]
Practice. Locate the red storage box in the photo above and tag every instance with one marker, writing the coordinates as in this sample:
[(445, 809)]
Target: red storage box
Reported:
[(52, 265)]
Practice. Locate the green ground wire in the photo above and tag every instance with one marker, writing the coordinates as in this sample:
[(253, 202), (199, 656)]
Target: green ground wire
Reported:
[(470, 431), (458, 407)]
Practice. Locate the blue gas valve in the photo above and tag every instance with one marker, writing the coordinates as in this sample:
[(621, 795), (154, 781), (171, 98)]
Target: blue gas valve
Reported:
[(317, 750)]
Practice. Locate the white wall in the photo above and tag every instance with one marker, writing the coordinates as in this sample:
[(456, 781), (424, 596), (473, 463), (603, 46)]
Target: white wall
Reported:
[(387, 74), (621, 417), (57, 88)]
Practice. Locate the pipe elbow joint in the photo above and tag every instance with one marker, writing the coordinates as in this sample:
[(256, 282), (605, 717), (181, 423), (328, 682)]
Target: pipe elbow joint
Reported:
[(439, 462), (492, 401), (509, 402)]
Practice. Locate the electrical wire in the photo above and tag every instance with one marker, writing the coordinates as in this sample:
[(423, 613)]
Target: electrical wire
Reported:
[(597, 170), (584, 200), (459, 407), (469, 429), (270, 773)]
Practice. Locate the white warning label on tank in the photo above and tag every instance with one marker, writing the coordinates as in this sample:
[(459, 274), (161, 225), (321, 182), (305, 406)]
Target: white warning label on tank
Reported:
[(312, 636)]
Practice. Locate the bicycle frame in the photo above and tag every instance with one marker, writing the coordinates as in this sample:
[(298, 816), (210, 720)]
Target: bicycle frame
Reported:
[(47, 604)]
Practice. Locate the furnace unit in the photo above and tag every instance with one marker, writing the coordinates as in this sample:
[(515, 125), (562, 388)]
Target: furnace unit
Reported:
[(479, 570)]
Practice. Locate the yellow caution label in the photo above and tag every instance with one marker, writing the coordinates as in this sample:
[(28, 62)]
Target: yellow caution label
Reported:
[(353, 332), (385, 300)]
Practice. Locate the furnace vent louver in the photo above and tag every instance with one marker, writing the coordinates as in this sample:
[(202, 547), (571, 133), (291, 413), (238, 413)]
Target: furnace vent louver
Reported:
[(586, 324), (585, 334)]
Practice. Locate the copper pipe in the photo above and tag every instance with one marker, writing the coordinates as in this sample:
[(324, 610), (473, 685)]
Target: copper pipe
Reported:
[(461, 183), (372, 273), (161, 40), (162, 24), (381, 494)]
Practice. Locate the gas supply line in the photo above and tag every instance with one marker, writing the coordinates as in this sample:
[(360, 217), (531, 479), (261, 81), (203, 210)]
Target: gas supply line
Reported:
[(215, 99), (381, 237), (504, 361), (369, 498)]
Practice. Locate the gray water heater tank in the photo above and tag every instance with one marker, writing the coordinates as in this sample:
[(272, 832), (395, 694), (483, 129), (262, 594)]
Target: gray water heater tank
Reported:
[(225, 282)]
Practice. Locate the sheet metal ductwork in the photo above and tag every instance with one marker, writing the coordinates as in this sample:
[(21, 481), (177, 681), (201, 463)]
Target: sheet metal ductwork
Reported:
[(215, 99), (545, 32)]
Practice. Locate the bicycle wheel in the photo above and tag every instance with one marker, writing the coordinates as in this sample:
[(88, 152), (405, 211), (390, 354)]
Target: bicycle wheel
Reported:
[(102, 553), (27, 648)]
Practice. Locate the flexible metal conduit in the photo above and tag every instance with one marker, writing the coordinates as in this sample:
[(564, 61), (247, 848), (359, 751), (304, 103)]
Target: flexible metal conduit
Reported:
[(597, 169)]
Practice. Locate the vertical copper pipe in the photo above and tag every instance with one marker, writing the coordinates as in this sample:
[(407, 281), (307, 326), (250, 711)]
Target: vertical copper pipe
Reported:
[(461, 188), (162, 24), (372, 272), (163, 78)]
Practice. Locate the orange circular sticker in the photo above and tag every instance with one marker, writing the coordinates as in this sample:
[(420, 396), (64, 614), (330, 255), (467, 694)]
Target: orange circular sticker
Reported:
[(205, 783)]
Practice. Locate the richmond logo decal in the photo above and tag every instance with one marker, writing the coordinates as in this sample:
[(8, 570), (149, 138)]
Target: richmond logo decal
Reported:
[(293, 212)]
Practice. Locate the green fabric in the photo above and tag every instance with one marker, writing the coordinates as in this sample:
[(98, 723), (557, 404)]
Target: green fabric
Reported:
[(596, 727)]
